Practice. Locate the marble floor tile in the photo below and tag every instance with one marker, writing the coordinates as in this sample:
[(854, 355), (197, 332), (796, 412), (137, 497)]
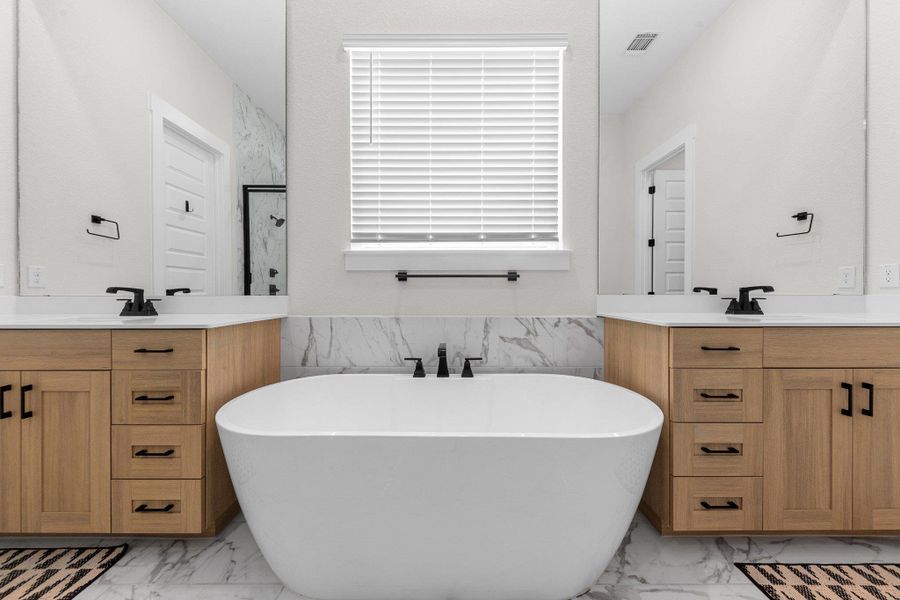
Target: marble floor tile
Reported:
[(674, 592)]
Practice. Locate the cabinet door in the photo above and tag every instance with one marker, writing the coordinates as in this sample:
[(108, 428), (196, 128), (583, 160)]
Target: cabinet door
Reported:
[(876, 450), (10, 454), (808, 450), (65, 452)]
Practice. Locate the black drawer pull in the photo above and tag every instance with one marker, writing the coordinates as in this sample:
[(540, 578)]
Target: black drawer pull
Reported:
[(154, 398), (26, 414), (848, 412), (147, 453), (152, 351), (869, 412), (4, 414), (729, 450), (728, 396), (143, 508), (730, 505), (725, 349)]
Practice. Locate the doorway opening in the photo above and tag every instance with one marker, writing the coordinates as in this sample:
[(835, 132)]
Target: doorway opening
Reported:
[(664, 201)]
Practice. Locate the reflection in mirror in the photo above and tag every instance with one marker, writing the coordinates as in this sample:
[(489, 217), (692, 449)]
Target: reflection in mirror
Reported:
[(265, 240), (727, 126), (152, 116)]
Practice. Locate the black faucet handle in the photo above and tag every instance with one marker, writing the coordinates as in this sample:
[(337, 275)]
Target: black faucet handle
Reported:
[(709, 290), (173, 291), (467, 367), (420, 368)]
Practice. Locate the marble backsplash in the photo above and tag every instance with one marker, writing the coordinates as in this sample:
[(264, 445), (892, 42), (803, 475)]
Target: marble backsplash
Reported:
[(320, 345)]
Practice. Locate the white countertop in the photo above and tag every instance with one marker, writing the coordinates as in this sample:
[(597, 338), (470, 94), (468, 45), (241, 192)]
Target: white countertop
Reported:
[(780, 311), (93, 321)]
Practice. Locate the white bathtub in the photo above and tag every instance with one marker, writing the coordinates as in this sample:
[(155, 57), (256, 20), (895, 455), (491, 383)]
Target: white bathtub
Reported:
[(385, 487)]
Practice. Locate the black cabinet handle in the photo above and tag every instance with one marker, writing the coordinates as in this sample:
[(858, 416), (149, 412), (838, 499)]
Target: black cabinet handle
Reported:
[(848, 412), (4, 414), (730, 505), (143, 508), (729, 450), (871, 410), (153, 398), (728, 396), (725, 349), (147, 453), (151, 351), (26, 414)]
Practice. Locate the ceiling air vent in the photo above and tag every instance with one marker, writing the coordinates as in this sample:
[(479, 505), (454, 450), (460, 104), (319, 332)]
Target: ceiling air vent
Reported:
[(640, 44)]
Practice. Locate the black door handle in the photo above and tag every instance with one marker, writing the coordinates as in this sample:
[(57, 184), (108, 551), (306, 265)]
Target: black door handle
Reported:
[(716, 349), (26, 414), (143, 508), (848, 412), (729, 450), (153, 398), (871, 410), (4, 414), (730, 505), (147, 453), (728, 396), (151, 351)]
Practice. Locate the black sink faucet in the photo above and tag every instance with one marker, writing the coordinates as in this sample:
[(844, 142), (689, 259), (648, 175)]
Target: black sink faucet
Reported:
[(744, 304), (137, 306), (443, 371)]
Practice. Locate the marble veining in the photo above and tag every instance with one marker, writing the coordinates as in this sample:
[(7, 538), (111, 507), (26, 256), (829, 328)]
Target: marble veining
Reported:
[(259, 158), (315, 345), (646, 566)]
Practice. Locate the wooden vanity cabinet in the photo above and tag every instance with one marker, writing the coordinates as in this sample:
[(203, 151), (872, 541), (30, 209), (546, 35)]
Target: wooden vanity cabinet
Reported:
[(121, 439), (768, 429)]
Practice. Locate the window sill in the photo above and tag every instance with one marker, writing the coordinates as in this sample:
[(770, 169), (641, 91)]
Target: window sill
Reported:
[(480, 259)]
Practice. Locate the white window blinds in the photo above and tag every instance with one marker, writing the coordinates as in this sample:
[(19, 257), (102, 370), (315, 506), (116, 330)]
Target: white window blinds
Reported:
[(456, 138)]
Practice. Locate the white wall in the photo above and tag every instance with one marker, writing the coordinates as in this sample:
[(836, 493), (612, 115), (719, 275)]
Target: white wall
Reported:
[(775, 90), (87, 70), (319, 158), (8, 275), (884, 140)]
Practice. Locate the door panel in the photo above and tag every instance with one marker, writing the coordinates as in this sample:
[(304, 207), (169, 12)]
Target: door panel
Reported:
[(876, 451), (65, 452), (10, 454), (668, 224), (808, 445)]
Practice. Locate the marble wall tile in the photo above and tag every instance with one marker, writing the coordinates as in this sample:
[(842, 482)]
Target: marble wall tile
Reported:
[(259, 158), (379, 344)]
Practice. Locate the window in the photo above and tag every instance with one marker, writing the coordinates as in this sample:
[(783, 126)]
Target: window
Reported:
[(456, 140)]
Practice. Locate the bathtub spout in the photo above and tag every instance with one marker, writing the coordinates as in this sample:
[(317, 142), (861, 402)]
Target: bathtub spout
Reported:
[(443, 371)]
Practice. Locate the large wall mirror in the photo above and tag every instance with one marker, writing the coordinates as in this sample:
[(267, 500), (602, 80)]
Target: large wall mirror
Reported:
[(732, 135), (146, 129)]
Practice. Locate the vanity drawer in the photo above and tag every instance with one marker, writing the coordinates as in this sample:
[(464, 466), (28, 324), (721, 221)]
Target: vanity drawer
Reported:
[(157, 506), (832, 347), (718, 348), (157, 349), (717, 504), (158, 397), (157, 451), (725, 449), (717, 395), (54, 350)]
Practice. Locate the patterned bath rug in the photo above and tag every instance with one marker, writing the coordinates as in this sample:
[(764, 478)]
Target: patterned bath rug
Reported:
[(782, 581), (53, 573)]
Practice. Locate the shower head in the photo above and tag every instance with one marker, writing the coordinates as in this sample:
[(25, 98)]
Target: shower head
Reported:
[(278, 222)]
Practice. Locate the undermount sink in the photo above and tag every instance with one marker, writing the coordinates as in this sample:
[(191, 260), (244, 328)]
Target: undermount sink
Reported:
[(779, 318), (94, 320)]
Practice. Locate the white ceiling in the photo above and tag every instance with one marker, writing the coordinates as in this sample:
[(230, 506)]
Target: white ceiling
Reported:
[(246, 39), (623, 79)]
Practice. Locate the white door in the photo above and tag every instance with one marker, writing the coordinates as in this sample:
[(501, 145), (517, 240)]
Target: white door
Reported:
[(668, 231), (186, 230)]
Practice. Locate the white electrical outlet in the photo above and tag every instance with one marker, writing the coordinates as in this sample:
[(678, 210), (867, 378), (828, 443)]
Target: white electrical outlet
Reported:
[(847, 279), (890, 275), (36, 277)]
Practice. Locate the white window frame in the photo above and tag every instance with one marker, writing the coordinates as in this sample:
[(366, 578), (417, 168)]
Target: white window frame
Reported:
[(469, 256)]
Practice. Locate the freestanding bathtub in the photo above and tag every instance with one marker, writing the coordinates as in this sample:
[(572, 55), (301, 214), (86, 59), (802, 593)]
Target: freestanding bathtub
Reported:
[(385, 487)]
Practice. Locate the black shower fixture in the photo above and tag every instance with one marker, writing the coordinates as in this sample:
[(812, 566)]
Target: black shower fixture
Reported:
[(278, 222)]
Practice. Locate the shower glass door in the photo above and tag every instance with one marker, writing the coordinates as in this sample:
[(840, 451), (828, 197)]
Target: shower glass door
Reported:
[(265, 240)]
